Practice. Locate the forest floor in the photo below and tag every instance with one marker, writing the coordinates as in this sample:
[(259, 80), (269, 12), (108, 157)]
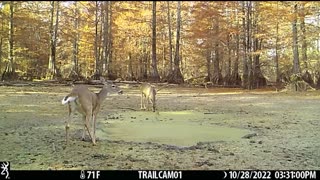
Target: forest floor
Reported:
[(192, 129)]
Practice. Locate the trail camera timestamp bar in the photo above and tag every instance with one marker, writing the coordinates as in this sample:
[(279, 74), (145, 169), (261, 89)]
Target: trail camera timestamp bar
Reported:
[(256, 174)]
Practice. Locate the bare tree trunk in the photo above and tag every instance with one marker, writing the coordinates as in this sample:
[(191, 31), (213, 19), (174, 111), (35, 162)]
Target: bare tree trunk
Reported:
[(245, 49), (236, 79), (96, 51), (276, 61), (146, 62), (217, 76), (208, 57), (306, 76), (105, 23), (53, 71), (249, 45), (154, 71), (227, 77), (111, 74), (130, 76), (10, 69), (228, 71), (76, 40), (296, 64), (175, 76), (1, 43), (303, 37), (258, 80), (318, 25), (170, 37)]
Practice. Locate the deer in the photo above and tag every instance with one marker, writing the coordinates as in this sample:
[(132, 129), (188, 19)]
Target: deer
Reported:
[(148, 95), (88, 104)]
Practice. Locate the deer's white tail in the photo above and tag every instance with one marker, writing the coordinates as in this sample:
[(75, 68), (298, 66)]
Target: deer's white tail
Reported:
[(67, 99)]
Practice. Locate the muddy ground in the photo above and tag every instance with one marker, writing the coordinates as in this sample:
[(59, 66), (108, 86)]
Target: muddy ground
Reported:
[(284, 128)]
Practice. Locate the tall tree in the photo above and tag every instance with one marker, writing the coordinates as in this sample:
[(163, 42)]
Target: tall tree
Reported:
[(154, 71), (170, 36), (217, 76), (295, 50), (276, 60), (303, 36), (236, 79), (111, 74), (9, 72), (245, 37), (306, 74), (105, 36), (97, 69), (75, 53), (176, 76), (53, 72), (258, 79)]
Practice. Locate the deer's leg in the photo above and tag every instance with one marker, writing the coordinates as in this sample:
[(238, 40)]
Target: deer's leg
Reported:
[(94, 128), (87, 125), (144, 102), (84, 129), (141, 101), (147, 102), (67, 123), (153, 103)]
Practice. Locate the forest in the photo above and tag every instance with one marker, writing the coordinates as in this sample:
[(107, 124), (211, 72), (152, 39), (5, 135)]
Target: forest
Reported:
[(248, 44), (233, 85)]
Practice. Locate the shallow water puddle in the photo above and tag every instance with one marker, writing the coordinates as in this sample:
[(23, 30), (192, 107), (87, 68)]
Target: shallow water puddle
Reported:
[(181, 128)]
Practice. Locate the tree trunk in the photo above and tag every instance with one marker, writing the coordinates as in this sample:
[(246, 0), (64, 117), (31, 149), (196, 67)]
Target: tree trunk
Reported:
[(146, 62), (96, 51), (258, 79), (245, 73), (303, 37), (129, 69), (170, 37), (227, 77), (154, 70), (236, 79), (76, 41), (208, 57), (276, 61), (175, 76), (9, 72), (296, 64), (306, 76), (249, 46), (110, 67), (217, 76), (1, 42), (105, 42), (53, 71)]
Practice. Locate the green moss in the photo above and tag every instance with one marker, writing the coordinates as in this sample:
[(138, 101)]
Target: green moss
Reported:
[(152, 127)]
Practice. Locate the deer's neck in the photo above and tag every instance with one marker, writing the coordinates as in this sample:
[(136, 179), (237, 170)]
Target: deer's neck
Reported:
[(102, 94)]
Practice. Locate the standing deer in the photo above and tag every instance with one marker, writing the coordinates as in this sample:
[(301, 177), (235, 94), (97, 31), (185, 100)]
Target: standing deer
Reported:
[(148, 95), (88, 104)]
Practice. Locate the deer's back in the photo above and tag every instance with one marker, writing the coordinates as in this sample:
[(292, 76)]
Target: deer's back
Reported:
[(148, 90), (85, 96)]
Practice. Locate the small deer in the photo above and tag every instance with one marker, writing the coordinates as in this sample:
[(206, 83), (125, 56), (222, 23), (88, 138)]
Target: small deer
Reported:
[(88, 104), (148, 95)]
